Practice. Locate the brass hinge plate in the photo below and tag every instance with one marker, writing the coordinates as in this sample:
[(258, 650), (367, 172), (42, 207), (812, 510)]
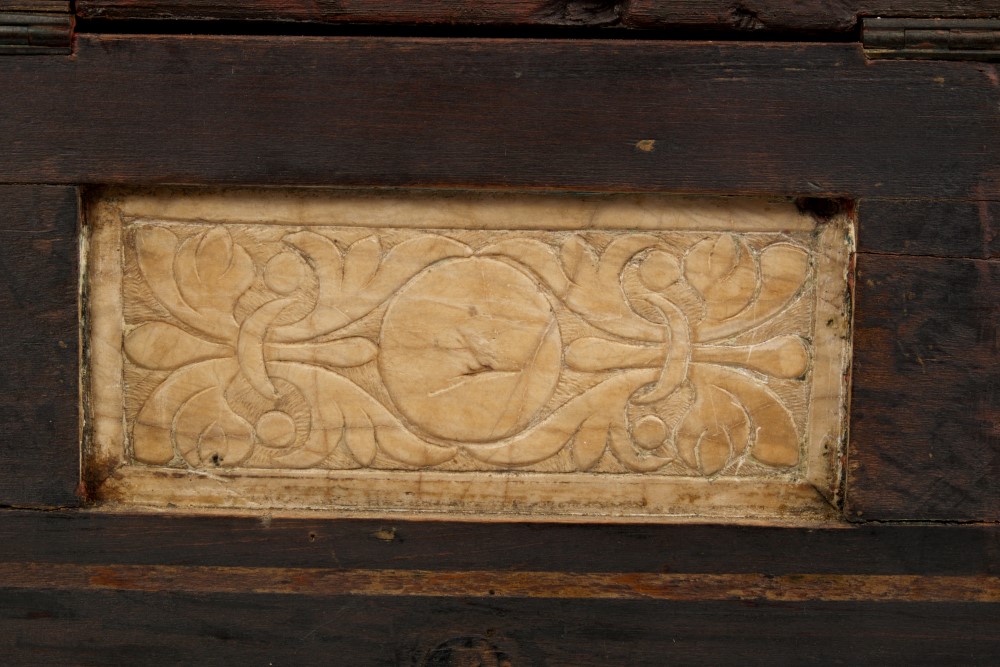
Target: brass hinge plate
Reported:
[(40, 28), (932, 39)]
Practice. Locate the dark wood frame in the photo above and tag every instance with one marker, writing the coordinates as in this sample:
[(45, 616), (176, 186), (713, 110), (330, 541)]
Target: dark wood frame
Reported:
[(802, 18), (913, 146)]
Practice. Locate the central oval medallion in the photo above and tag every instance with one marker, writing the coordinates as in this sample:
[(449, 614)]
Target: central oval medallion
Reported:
[(470, 350)]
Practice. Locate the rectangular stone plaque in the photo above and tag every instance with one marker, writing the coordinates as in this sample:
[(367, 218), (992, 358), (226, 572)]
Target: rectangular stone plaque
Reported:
[(470, 355)]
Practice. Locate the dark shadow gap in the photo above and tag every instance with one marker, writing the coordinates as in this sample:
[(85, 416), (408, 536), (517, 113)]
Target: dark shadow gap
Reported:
[(227, 27)]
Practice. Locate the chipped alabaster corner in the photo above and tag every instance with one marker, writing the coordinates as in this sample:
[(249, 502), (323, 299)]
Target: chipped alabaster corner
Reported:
[(466, 355)]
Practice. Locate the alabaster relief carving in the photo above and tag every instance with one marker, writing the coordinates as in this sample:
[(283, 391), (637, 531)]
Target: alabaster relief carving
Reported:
[(381, 345)]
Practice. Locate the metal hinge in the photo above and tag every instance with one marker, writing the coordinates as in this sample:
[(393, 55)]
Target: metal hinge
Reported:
[(934, 39), (35, 27)]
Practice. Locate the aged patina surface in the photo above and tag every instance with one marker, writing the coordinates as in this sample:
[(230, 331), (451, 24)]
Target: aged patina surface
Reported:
[(638, 356)]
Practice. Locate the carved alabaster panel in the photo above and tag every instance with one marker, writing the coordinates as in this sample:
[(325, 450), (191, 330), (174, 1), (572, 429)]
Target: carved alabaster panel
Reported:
[(521, 355)]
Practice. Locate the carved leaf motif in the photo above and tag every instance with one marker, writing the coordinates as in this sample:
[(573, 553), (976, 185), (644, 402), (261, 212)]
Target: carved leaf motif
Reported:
[(326, 260), (537, 256), (212, 272), (626, 452), (152, 433), (779, 357), (359, 435), (250, 345), (783, 269), (678, 347), (163, 346), (156, 248), (203, 302), (339, 353), (326, 427), (732, 412), (716, 428), (595, 290), (402, 262), (602, 404), (339, 404), (590, 441), (723, 271), (400, 444), (634, 291), (208, 432), (361, 262), (344, 298), (579, 260)]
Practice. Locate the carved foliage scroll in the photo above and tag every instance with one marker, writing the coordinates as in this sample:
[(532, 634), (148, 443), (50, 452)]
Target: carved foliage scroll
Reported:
[(679, 353)]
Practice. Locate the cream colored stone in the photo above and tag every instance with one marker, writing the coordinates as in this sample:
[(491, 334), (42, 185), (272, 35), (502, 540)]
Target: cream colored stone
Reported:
[(469, 350), (606, 357)]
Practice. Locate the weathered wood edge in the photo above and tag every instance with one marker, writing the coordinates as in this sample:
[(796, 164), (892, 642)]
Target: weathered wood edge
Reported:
[(926, 389), (764, 17), (751, 17), (409, 582), (806, 119), (135, 627), (934, 228), (265, 541), (521, 13), (39, 346)]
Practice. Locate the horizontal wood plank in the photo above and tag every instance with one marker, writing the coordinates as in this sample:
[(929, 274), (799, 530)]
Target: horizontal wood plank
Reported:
[(749, 16), (561, 594), (678, 587), (113, 627), (39, 348), (935, 228), (60, 6), (786, 16), (489, 12), (264, 541), (786, 119), (925, 410)]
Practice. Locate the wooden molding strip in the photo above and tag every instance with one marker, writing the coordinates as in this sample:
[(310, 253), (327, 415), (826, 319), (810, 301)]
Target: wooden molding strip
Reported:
[(755, 16), (316, 542), (770, 16), (589, 13), (486, 583)]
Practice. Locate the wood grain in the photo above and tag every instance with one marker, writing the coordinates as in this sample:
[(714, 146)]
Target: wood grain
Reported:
[(753, 16), (39, 437), (490, 584), (491, 12), (61, 6), (784, 16), (265, 541), (925, 442), (786, 119), (112, 628), (722, 117), (935, 228), (83, 605)]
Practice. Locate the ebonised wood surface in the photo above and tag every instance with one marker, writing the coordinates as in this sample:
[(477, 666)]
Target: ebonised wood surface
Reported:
[(82, 588), (263, 541), (926, 400), (762, 16), (142, 628), (39, 346), (915, 143), (728, 118), (748, 17), (930, 228)]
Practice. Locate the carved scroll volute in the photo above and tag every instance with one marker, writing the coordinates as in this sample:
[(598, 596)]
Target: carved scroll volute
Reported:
[(323, 348)]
